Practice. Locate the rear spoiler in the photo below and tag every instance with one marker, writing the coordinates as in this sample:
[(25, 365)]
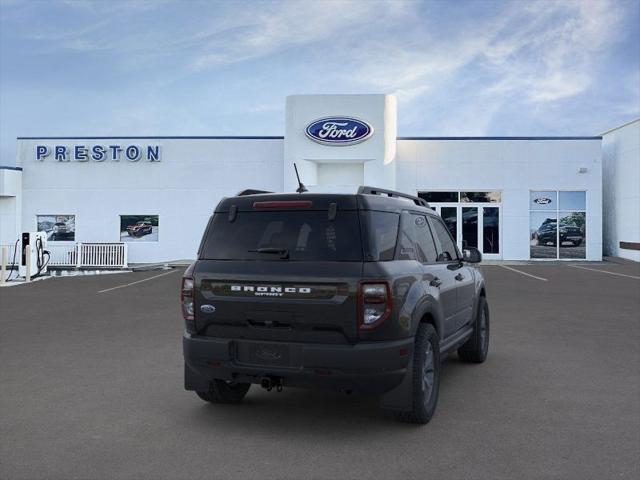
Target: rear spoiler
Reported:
[(251, 191), (364, 190)]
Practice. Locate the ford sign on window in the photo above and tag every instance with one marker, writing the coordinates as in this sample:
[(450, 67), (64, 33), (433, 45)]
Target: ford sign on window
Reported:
[(338, 130)]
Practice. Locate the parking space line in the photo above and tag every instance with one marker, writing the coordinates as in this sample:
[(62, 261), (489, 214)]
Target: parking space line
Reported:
[(605, 271), (134, 283), (524, 273)]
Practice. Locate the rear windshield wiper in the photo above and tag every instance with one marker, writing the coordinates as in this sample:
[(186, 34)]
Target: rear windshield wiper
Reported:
[(283, 252)]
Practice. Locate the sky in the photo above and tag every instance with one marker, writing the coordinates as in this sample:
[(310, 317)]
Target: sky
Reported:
[(458, 68)]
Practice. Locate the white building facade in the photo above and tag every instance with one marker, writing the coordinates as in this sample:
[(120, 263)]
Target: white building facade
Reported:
[(621, 186), (514, 198)]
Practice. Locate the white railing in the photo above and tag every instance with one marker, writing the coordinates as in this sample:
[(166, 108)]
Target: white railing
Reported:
[(81, 255), (10, 250), (63, 255), (102, 255)]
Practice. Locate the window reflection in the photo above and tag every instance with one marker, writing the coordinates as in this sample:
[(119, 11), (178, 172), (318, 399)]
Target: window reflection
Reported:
[(490, 230), (450, 217), (543, 235), (572, 235), (481, 197), (470, 227), (573, 201), (439, 197)]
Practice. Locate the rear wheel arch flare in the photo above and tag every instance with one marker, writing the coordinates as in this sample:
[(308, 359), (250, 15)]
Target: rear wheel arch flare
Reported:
[(429, 319)]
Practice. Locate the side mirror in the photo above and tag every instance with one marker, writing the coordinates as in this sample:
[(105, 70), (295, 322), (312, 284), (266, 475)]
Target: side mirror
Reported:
[(471, 255)]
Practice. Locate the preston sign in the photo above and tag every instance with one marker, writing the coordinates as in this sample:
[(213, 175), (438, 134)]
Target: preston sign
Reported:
[(338, 130), (98, 153)]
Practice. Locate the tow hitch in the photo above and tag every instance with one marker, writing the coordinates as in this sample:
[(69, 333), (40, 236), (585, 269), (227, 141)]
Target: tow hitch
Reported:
[(268, 383)]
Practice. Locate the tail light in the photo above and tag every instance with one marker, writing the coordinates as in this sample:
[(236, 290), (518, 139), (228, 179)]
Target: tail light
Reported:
[(186, 296), (284, 204), (374, 302)]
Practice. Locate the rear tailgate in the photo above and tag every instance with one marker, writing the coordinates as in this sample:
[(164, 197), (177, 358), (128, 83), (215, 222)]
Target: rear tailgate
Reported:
[(278, 300)]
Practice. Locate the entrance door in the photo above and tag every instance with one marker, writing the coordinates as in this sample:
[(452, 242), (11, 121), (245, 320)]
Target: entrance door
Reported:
[(473, 225)]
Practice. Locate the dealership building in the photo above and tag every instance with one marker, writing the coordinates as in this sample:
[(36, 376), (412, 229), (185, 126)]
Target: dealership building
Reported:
[(515, 198)]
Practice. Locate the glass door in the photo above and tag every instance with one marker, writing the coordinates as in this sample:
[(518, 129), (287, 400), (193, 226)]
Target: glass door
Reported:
[(470, 227), (473, 226), (490, 230)]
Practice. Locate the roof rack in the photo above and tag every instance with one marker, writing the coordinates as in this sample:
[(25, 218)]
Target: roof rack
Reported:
[(392, 193), (250, 191)]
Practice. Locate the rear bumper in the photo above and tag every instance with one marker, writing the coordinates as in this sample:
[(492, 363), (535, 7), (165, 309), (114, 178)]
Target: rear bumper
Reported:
[(371, 367)]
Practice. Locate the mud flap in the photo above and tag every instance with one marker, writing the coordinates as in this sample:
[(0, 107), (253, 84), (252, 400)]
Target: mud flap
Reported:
[(194, 381), (401, 397)]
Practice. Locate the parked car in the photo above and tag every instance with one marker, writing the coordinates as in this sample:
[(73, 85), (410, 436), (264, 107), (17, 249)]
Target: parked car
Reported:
[(61, 231), (139, 229), (571, 234), (364, 292), (548, 234)]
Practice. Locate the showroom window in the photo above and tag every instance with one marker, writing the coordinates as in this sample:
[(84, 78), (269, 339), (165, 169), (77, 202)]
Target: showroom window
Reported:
[(439, 197), (558, 224), (59, 228)]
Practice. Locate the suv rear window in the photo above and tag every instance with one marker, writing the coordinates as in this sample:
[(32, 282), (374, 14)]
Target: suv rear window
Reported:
[(305, 235), (382, 233)]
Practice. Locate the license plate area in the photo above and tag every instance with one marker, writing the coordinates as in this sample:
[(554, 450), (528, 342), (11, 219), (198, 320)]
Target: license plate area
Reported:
[(270, 354)]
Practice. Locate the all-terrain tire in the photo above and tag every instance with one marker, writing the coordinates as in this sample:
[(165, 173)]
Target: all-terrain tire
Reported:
[(426, 365), (475, 349), (223, 392)]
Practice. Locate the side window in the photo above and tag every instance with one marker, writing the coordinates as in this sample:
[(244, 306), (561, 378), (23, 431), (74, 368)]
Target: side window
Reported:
[(416, 242), (424, 241), (382, 234), (407, 241), (446, 247)]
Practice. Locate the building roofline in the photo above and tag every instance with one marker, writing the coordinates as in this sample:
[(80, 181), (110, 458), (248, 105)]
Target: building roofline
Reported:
[(159, 137), (620, 126), (257, 137), (7, 167), (501, 138)]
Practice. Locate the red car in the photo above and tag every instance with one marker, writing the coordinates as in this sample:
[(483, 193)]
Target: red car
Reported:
[(139, 229)]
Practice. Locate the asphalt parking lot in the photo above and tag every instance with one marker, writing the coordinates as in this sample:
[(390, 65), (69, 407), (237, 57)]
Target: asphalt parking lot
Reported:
[(91, 387)]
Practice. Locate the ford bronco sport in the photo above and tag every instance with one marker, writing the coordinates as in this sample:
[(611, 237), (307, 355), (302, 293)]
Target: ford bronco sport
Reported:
[(139, 229), (358, 292)]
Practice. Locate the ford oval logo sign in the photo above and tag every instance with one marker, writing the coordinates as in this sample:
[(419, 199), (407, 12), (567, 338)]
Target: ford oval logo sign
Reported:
[(542, 200), (339, 130)]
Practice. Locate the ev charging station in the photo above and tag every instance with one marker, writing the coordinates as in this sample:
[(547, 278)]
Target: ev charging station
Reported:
[(34, 254)]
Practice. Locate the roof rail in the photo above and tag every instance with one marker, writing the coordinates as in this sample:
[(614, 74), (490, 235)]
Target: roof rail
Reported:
[(250, 191), (392, 193)]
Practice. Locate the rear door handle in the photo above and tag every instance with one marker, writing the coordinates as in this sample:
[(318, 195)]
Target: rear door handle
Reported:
[(435, 282), (459, 277)]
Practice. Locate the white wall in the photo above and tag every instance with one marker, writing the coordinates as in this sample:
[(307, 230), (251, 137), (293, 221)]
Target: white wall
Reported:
[(183, 188), (621, 184), (10, 205), (513, 166)]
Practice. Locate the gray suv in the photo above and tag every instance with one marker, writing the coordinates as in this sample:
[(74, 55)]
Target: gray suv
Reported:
[(361, 292)]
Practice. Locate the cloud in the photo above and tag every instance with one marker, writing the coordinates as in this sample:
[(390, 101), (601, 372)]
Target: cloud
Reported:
[(329, 26), (458, 68), (554, 49)]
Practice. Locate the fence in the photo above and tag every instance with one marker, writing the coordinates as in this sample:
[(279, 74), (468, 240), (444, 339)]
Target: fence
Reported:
[(81, 255)]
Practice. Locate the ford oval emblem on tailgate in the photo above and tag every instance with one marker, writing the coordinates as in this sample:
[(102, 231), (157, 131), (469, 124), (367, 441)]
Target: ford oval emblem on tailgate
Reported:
[(207, 308)]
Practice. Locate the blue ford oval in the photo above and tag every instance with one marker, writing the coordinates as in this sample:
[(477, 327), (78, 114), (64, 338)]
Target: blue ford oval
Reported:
[(338, 130)]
